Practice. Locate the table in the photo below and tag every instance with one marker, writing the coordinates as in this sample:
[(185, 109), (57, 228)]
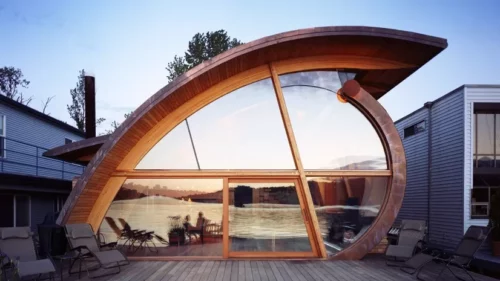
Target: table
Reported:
[(62, 258)]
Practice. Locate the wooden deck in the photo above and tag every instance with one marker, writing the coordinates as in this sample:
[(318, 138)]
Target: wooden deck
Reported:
[(371, 268)]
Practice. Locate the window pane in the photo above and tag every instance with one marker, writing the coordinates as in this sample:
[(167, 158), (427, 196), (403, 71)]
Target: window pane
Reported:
[(182, 216), (242, 130), (485, 134), (497, 140), (173, 151), (485, 161), (7, 210), (479, 210), (1, 125), (480, 195), (22, 211), (330, 134), (266, 217), (346, 207)]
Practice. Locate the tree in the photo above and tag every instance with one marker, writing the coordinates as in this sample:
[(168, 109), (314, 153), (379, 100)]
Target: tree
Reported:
[(77, 108), (45, 104), (10, 80), (115, 124), (202, 47)]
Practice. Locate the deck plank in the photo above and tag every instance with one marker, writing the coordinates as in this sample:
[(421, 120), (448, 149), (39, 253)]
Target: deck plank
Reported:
[(278, 270)]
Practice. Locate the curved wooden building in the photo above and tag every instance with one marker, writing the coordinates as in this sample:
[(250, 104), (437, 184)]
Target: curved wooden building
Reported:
[(277, 148)]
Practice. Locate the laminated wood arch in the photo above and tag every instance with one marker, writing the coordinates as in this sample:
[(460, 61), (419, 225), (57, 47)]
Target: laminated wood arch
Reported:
[(381, 58)]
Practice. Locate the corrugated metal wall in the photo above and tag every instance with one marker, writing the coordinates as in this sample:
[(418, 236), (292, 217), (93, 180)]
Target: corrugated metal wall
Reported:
[(447, 169), (416, 195)]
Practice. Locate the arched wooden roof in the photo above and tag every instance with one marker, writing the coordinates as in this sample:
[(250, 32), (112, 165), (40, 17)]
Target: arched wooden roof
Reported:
[(382, 58)]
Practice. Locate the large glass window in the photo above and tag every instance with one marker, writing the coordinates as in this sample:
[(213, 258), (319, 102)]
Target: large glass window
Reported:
[(174, 151), (266, 217), (167, 217), (486, 150), (330, 134), (241, 130), (346, 207)]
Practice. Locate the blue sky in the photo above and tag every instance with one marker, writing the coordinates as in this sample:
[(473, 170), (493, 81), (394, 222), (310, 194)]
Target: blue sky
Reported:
[(127, 44)]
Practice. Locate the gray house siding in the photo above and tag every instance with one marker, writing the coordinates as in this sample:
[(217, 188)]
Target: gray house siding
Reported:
[(24, 134), (446, 126), (447, 170), (29, 134), (415, 202)]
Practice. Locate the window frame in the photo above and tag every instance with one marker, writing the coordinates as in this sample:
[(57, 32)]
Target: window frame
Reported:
[(495, 154), (415, 131), (3, 137), (15, 209), (487, 204)]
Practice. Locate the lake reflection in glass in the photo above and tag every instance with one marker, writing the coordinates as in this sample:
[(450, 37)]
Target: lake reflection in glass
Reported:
[(166, 217), (266, 217), (346, 207)]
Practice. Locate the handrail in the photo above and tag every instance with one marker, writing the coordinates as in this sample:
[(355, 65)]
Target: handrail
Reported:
[(36, 156)]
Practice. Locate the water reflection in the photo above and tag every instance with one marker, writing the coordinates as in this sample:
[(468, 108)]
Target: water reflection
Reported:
[(174, 217), (266, 217), (346, 207)]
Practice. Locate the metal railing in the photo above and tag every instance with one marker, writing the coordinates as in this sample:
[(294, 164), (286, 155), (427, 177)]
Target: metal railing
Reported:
[(18, 157)]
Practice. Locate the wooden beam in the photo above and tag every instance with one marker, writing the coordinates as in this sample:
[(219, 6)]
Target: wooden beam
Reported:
[(310, 218), (206, 173), (225, 218)]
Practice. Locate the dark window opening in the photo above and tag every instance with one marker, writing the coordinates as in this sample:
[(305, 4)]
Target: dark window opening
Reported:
[(414, 129), (15, 210)]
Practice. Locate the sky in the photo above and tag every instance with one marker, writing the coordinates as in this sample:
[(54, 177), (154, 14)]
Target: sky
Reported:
[(127, 44)]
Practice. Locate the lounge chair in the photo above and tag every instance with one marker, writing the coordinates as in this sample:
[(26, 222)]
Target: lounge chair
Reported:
[(143, 237), (84, 245), (17, 243), (460, 258), (126, 234), (411, 233)]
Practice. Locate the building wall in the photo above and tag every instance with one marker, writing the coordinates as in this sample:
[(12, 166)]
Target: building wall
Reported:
[(473, 94), (24, 127), (445, 199), (447, 166), (415, 202)]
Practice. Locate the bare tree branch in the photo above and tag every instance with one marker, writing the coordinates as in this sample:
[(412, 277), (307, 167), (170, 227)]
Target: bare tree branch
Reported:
[(45, 104)]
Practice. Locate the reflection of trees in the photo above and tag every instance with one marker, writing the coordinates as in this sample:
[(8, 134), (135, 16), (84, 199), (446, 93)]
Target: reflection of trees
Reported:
[(270, 195)]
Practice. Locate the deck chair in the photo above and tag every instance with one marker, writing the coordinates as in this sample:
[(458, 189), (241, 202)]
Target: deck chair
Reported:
[(461, 258), (142, 237), (126, 234), (411, 233), (17, 244), (84, 245)]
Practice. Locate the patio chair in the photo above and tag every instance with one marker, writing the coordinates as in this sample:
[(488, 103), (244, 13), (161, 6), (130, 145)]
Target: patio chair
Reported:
[(17, 244), (84, 245), (461, 258), (126, 234), (411, 233), (143, 237)]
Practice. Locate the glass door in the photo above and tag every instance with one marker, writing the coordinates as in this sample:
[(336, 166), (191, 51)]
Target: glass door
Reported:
[(266, 219)]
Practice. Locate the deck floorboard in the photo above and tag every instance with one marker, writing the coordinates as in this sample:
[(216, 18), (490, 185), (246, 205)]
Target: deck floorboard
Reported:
[(372, 268)]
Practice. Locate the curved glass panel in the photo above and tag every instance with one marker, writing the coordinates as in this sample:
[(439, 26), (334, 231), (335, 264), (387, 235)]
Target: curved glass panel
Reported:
[(242, 130), (346, 207), (166, 217), (329, 134), (266, 217), (173, 151)]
